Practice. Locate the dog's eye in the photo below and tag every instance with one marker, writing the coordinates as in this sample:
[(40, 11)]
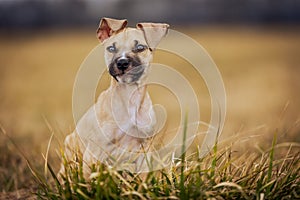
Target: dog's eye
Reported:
[(111, 49), (139, 48)]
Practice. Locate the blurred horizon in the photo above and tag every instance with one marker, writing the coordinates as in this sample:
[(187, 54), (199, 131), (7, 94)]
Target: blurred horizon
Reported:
[(32, 14)]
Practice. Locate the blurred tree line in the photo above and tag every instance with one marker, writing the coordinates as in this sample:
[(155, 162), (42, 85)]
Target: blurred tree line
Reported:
[(15, 14)]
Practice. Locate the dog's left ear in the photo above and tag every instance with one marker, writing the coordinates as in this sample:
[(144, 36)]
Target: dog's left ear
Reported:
[(153, 32), (108, 27)]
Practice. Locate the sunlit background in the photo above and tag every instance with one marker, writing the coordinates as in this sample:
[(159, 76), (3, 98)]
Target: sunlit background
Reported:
[(254, 43)]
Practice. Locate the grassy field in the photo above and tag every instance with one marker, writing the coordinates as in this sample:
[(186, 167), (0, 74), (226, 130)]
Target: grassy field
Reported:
[(260, 68)]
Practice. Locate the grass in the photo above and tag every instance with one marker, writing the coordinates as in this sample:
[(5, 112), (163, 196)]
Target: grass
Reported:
[(220, 175)]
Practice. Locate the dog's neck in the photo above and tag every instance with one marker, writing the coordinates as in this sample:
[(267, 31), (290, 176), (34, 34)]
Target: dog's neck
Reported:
[(130, 94)]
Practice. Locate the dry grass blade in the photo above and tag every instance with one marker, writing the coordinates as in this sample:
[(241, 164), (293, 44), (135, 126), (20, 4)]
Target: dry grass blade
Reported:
[(47, 154), (234, 185), (131, 194)]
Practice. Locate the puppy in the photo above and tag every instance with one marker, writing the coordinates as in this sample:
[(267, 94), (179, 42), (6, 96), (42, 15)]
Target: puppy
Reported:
[(118, 128)]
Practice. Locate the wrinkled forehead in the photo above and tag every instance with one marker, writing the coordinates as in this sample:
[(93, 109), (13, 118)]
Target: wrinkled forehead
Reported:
[(126, 37)]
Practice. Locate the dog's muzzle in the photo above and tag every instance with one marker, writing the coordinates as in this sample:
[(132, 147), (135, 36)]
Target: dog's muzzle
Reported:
[(128, 69)]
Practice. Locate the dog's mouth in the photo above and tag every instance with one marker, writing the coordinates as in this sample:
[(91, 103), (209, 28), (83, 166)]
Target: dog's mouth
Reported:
[(128, 76), (129, 72)]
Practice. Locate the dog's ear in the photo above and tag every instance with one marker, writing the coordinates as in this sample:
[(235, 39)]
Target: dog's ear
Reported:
[(108, 27), (153, 32)]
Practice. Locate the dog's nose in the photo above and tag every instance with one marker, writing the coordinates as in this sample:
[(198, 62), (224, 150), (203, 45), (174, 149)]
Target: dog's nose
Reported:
[(123, 63)]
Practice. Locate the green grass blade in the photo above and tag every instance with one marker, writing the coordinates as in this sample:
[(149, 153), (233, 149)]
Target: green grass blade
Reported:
[(271, 160), (182, 177)]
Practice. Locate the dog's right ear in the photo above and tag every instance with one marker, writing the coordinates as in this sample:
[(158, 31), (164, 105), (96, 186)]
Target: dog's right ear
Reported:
[(108, 27), (153, 32)]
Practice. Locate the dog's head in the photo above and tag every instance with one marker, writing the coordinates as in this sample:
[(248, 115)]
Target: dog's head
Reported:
[(128, 51)]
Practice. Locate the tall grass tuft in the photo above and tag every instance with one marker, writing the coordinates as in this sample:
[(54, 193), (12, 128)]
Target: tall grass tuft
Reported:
[(221, 175)]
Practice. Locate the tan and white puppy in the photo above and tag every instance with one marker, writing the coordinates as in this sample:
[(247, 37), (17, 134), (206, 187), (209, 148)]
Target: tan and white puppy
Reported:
[(120, 125)]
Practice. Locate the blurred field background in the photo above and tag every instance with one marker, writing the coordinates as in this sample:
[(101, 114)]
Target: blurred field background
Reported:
[(258, 57)]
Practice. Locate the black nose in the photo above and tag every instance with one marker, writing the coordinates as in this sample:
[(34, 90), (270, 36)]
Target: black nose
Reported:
[(123, 63)]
